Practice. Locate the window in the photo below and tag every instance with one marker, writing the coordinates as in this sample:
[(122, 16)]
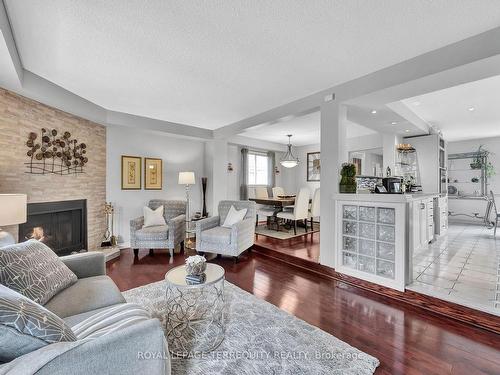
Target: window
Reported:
[(257, 169)]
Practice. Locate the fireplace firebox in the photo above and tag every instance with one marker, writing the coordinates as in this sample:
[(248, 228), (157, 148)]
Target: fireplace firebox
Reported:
[(61, 225)]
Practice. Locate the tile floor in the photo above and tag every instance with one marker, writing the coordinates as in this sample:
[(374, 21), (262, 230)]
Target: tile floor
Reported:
[(462, 266)]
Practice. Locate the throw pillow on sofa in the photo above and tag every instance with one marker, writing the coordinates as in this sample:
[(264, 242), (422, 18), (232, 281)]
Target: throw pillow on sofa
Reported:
[(153, 218), (26, 326), (34, 270), (234, 216)]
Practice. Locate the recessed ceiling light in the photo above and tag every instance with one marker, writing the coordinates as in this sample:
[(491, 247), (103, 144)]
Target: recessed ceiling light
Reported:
[(374, 111), (472, 109), (416, 103), (393, 123), (407, 130)]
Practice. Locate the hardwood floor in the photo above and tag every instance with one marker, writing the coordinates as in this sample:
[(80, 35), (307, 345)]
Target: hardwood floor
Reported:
[(406, 339), (303, 247)]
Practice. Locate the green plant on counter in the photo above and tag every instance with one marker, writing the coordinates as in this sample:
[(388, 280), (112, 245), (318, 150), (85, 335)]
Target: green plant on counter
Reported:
[(348, 180), (481, 161)]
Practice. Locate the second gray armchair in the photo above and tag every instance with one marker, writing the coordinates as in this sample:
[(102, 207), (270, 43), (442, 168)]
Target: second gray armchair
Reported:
[(160, 236), (212, 237)]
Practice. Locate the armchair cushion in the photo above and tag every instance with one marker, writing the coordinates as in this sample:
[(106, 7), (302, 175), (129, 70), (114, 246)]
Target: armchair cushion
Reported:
[(34, 270), (26, 326), (217, 235), (155, 233), (85, 295)]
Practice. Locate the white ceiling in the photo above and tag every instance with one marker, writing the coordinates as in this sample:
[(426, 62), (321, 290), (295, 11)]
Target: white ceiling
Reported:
[(305, 129), (211, 63), (449, 111)]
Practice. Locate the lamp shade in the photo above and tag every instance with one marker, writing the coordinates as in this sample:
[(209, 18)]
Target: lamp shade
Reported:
[(186, 178), (13, 209)]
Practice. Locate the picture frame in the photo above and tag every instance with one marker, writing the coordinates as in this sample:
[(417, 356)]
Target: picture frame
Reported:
[(131, 172), (313, 166), (153, 174)]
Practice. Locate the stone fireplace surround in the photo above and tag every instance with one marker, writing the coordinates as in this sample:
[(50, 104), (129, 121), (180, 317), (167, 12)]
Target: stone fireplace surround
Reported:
[(18, 117)]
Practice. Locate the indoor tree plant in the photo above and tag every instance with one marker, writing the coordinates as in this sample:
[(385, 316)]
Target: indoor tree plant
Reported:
[(348, 180)]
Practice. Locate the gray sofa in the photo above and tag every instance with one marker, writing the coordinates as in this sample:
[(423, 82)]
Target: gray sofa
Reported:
[(160, 236), (212, 237), (117, 352)]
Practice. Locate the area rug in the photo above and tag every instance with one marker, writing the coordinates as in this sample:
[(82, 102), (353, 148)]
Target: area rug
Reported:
[(284, 233), (262, 339)]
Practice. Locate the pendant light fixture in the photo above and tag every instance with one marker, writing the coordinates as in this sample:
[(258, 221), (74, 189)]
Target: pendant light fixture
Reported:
[(289, 161)]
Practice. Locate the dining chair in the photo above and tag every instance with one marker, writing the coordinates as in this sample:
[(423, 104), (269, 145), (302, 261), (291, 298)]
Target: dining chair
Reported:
[(277, 191), (495, 212), (263, 210), (315, 205), (300, 211)]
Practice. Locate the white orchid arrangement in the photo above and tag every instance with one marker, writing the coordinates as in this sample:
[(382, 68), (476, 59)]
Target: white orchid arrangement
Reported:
[(196, 265), (195, 260)]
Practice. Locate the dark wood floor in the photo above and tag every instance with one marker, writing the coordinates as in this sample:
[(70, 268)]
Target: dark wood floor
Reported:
[(406, 340), (304, 247)]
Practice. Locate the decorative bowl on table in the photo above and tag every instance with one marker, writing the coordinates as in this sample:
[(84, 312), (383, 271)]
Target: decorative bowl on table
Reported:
[(196, 265)]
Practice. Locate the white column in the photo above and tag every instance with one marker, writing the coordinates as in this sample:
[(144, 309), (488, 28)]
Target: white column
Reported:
[(333, 154), (216, 170)]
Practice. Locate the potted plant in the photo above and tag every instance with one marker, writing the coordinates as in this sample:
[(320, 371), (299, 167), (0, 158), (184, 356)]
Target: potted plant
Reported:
[(481, 161), (348, 180)]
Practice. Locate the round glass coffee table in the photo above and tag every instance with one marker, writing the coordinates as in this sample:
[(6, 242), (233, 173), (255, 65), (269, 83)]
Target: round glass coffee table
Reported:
[(195, 313)]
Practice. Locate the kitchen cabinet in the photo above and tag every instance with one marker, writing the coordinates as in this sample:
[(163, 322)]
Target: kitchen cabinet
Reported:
[(441, 215), (431, 153), (421, 225)]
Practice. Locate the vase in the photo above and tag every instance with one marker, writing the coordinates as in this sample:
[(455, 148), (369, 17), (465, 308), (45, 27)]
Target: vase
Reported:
[(347, 188), (204, 212), (196, 269)]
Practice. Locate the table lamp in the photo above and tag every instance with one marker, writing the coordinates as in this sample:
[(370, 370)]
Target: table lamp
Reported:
[(12, 211), (187, 179)]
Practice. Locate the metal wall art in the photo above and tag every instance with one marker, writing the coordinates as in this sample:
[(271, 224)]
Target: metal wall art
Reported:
[(55, 154)]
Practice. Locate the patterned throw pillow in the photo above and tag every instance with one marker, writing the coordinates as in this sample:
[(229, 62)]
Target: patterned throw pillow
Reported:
[(34, 270), (26, 326)]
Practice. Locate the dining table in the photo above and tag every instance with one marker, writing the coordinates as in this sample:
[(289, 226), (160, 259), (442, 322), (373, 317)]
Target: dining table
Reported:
[(276, 202)]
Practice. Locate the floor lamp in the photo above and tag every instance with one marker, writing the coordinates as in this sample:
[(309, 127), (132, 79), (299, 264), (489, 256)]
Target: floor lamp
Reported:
[(187, 179), (13, 211)]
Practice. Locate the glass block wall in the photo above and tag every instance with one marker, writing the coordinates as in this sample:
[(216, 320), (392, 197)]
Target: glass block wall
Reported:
[(368, 239)]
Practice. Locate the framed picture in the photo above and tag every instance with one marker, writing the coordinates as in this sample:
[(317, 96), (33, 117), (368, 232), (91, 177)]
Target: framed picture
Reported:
[(131, 173), (313, 166), (153, 173)]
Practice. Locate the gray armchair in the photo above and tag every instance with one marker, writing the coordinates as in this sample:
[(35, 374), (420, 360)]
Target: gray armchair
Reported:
[(212, 237), (160, 236)]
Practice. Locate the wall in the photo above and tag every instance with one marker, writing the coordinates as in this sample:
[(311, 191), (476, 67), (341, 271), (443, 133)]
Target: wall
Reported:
[(178, 155), (286, 177), (470, 206), (18, 117), (300, 172)]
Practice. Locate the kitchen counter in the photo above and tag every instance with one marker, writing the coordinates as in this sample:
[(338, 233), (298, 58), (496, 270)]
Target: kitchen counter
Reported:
[(390, 198), (377, 234)]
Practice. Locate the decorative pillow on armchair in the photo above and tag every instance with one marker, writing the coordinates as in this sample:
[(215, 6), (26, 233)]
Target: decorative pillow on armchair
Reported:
[(153, 217), (26, 326), (234, 216), (34, 270)]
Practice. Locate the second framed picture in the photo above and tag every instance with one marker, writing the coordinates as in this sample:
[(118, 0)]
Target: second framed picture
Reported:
[(153, 173)]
